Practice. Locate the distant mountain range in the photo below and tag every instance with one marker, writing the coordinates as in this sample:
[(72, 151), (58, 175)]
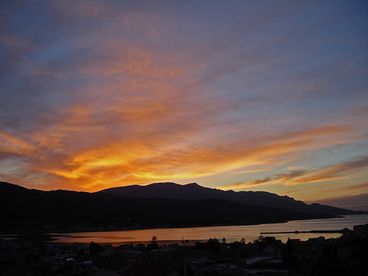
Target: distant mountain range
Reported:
[(155, 205), (194, 191)]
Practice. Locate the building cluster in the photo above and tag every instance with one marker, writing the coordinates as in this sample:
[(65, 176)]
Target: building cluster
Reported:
[(346, 255)]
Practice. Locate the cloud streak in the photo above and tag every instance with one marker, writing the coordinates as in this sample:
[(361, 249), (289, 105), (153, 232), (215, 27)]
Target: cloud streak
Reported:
[(295, 177)]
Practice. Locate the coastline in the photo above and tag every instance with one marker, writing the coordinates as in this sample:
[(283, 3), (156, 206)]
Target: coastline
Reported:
[(231, 232), (81, 229)]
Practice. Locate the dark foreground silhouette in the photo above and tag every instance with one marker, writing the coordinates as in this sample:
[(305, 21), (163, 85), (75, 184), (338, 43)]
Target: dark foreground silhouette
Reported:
[(55, 211), (346, 255)]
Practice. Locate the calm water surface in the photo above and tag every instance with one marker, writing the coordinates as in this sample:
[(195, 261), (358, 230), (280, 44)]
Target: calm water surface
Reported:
[(231, 233)]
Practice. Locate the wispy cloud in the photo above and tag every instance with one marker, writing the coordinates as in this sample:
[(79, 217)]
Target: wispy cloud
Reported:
[(295, 177), (356, 202), (108, 156)]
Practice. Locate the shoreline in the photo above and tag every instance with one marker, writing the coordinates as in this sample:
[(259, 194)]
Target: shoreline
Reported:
[(302, 229), (117, 229)]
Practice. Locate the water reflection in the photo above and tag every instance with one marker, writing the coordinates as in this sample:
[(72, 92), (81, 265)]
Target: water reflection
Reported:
[(231, 233)]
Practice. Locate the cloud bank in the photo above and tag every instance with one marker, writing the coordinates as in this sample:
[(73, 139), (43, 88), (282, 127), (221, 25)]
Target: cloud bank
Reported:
[(98, 94)]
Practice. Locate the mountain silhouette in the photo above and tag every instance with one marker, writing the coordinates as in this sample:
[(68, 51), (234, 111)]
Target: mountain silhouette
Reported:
[(30, 209), (194, 191)]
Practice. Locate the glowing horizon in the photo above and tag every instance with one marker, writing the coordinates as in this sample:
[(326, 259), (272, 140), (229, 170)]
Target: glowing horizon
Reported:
[(243, 95)]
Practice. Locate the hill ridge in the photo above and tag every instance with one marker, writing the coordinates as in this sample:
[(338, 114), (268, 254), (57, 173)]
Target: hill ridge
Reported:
[(60, 210), (195, 191)]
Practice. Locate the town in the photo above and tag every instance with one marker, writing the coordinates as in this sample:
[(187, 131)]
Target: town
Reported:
[(346, 255)]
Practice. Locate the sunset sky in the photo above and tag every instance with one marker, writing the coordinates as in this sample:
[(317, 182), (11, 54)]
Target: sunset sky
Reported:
[(241, 95)]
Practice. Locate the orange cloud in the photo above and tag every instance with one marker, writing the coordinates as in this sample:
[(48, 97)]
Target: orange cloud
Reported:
[(157, 157), (143, 123), (337, 171), (14, 145)]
